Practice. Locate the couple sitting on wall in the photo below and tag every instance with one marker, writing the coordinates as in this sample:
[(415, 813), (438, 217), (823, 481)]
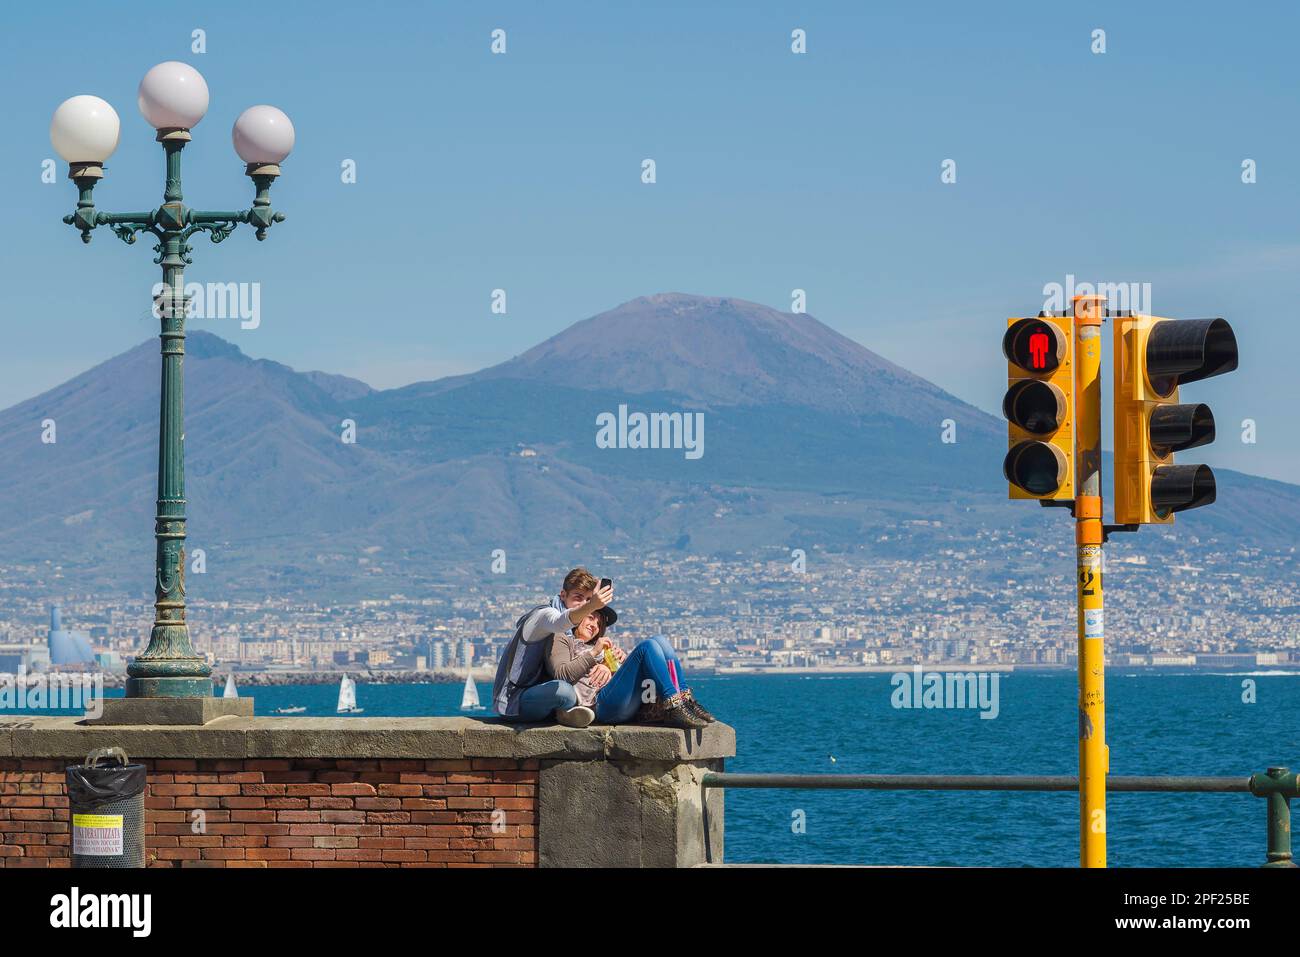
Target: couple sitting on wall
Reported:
[(556, 665)]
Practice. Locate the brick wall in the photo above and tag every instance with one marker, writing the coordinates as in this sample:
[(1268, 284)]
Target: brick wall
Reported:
[(295, 812)]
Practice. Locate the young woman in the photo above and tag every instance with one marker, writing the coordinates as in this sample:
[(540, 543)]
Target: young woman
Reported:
[(648, 686)]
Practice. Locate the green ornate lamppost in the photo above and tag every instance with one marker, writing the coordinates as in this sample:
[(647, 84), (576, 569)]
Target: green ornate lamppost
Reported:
[(173, 97)]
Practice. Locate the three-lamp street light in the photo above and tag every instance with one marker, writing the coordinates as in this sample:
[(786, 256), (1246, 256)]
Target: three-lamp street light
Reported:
[(173, 98)]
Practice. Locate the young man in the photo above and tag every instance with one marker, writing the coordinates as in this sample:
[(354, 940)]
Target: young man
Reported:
[(521, 690)]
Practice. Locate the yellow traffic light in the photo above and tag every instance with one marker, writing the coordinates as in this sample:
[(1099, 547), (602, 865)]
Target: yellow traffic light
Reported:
[(1153, 357), (1039, 408)]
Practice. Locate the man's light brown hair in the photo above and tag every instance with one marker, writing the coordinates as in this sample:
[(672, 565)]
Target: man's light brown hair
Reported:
[(580, 579)]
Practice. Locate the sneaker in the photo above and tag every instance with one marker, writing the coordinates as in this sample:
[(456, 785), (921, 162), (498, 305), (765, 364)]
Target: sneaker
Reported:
[(578, 717)]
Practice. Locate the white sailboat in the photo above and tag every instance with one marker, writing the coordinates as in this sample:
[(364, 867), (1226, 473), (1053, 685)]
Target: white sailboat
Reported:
[(469, 700), (348, 697), (231, 691)]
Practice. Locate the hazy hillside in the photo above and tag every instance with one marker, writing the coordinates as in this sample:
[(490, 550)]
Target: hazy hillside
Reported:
[(808, 436)]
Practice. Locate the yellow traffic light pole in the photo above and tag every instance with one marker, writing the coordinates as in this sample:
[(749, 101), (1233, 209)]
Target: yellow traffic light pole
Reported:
[(1094, 757)]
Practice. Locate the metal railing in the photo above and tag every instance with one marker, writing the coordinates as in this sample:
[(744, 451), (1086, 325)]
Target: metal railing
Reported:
[(1277, 786)]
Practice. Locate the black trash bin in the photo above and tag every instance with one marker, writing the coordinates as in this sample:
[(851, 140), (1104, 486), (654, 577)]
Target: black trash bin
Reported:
[(106, 799)]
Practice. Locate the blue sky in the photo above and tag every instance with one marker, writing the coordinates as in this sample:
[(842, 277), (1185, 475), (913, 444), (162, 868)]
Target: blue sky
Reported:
[(775, 171)]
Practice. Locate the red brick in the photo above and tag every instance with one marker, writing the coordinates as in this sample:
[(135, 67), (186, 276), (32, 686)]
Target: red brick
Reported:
[(399, 790), (301, 817), (446, 790), (306, 790), (451, 856), (352, 789), (505, 857), (426, 843), (380, 842), (335, 841), (341, 817), (224, 853), (287, 803), (403, 855), (383, 817), (520, 804), (266, 828), (240, 801), (178, 853), (455, 803), (218, 790), (312, 853), (257, 817), (377, 804), (470, 777), (265, 790), (492, 790), (310, 830), (358, 854), (331, 803)]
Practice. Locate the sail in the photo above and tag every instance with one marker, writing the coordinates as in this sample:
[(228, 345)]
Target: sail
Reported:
[(470, 698), (230, 691), (347, 694)]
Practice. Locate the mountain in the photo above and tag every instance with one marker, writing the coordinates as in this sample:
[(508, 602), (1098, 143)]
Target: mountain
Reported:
[(807, 438)]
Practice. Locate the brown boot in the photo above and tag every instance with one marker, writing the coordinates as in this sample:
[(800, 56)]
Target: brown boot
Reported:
[(678, 714), (696, 708)]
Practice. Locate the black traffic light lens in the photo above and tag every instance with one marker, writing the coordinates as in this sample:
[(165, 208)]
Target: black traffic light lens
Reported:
[(1034, 405), (1187, 350), (1178, 427), (1176, 488), (1036, 345), (1036, 467)]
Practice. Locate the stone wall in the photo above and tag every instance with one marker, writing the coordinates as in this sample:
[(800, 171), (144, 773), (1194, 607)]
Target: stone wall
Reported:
[(379, 792)]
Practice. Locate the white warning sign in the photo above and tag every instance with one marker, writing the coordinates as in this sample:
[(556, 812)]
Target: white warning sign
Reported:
[(97, 835), (1094, 623)]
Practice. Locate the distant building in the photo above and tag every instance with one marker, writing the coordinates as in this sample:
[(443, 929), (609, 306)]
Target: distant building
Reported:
[(67, 647)]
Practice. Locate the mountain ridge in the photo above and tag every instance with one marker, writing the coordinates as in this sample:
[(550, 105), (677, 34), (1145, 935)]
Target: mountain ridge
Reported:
[(807, 436)]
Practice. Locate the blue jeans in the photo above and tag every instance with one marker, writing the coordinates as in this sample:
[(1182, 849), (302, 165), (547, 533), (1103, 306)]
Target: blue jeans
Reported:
[(622, 697), (537, 703)]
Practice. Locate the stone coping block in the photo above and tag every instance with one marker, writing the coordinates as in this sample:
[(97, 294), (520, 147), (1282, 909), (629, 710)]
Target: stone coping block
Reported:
[(173, 711), (354, 737)]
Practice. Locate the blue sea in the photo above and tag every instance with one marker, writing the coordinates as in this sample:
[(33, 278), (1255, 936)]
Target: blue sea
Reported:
[(1157, 723)]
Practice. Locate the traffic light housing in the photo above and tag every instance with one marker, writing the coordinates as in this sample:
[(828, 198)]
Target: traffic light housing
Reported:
[(1153, 357), (1039, 408)]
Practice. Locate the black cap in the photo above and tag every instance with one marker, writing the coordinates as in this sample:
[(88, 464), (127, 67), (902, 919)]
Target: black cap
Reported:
[(608, 616)]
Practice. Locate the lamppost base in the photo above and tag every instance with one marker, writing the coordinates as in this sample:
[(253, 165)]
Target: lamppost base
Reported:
[(169, 687), (171, 711)]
